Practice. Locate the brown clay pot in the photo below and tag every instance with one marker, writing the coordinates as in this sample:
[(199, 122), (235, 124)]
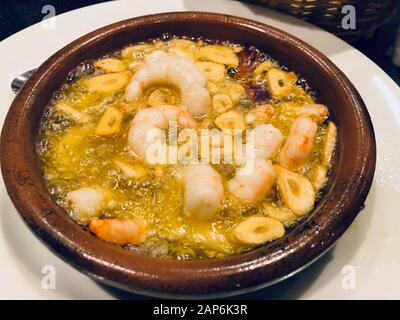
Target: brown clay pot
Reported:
[(351, 178)]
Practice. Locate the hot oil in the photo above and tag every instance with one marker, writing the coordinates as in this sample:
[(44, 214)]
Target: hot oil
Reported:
[(73, 156)]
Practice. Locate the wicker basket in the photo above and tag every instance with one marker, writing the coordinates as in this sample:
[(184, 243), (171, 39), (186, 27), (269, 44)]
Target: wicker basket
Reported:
[(370, 14)]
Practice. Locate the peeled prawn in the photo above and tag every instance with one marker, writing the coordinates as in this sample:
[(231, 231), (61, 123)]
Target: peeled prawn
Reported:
[(265, 140), (204, 192), (85, 202), (252, 183), (299, 143), (162, 68), (121, 231), (148, 125), (255, 178)]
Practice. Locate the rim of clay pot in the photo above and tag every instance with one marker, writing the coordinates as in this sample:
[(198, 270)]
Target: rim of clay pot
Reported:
[(348, 186)]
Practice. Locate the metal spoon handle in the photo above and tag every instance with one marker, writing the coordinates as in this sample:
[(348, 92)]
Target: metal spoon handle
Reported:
[(19, 81)]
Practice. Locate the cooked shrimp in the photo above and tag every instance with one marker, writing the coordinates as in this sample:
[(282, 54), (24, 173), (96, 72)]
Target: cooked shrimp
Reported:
[(162, 68), (85, 203), (121, 231), (252, 182), (148, 125), (299, 143), (265, 140), (156, 55), (318, 112), (255, 178), (204, 192)]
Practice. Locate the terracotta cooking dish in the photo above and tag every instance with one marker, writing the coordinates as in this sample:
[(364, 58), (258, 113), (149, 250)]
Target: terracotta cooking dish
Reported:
[(349, 183)]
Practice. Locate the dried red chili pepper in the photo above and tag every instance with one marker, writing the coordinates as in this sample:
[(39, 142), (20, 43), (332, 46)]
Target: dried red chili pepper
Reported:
[(248, 60), (258, 92)]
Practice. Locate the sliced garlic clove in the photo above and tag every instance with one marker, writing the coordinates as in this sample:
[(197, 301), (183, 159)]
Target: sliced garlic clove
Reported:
[(75, 115), (110, 65), (222, 103), (213, 71), (295, 190), (108, 83), (110, 122), (319, 177), (131, 170), (219, 54), (283, 215), (280, 83), (231, 122), (257, 230), (329, 143)]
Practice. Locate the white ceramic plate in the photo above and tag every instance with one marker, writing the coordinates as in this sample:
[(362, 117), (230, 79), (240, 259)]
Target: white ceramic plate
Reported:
[(364, 264)]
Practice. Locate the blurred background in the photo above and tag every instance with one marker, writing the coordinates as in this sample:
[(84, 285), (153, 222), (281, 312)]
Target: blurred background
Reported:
[(378, 22)]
